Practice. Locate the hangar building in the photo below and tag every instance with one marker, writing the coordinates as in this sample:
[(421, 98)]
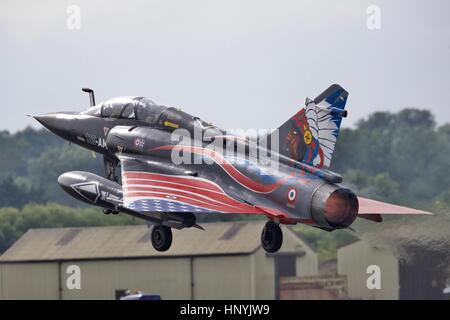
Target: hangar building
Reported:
[(422, 278), (224, 262)]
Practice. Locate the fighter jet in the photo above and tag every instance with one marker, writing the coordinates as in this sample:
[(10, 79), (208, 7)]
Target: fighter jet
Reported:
[(174, 165)]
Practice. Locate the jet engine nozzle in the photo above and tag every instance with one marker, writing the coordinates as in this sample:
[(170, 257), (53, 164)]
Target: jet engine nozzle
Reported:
[(336, 206)]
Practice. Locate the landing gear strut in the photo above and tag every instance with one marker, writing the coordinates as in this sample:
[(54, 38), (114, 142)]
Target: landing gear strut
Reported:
[(271, 237), (161, 237), (110, 165)]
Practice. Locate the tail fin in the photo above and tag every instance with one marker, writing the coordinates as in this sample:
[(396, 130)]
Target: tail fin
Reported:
[(311, 134)]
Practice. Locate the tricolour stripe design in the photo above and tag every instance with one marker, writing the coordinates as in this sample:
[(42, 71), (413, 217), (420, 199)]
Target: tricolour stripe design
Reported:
[(159, 192)]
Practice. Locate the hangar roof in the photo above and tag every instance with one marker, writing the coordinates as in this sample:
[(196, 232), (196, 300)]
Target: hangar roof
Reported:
[(126, 242)]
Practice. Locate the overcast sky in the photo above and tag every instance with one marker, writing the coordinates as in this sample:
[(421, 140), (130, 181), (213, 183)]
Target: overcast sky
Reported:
[(239, 64)]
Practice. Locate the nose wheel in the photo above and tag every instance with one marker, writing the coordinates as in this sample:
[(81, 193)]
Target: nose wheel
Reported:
[(271, 237), (161, 237)]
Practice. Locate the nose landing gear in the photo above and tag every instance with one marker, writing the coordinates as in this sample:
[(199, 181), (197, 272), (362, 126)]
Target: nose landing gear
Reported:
[(161, 237), (271, 237)]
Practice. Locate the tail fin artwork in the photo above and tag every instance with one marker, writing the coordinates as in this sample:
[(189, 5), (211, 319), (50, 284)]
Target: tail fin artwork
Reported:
[(311, 134)]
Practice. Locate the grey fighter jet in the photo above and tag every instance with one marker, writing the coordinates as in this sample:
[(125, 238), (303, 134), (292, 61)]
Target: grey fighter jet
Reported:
[(174, 165)]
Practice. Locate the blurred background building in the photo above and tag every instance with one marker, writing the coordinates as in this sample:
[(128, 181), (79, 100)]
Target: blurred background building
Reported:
[(423, 275), (224, 262)]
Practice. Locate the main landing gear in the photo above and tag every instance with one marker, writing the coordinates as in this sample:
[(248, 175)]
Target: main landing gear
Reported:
[(110, 165), (271, 237), (161, 237), (109, 211)]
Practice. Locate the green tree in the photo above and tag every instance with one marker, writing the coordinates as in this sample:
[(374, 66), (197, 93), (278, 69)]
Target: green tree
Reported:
[(46, 169), (15, 194)]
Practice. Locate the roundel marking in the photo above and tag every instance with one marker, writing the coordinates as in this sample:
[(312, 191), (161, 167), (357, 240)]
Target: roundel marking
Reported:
[(292, 195)]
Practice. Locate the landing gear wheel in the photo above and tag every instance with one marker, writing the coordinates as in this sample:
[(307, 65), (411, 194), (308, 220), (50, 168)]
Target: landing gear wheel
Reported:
[(161, 237), (271, 237), (109, 211)]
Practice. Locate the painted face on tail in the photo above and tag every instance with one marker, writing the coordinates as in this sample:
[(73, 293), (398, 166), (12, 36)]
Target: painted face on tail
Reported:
[(302, 144)]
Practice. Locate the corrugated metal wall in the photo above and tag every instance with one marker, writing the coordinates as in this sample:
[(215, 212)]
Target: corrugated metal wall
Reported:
[(239, 276), (227, 277), (353, 261), (29, 281)]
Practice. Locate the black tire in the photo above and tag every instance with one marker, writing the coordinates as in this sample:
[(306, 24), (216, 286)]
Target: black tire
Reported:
[(271, 237), (106, 211), (161, 237)]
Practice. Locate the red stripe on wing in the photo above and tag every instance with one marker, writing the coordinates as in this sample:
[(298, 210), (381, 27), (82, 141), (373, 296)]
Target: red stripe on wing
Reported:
[(193, 182), (229, 169), (206, 196), (190, 191)]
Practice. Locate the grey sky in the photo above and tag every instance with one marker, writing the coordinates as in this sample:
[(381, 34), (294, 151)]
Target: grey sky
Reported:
[(240, 64)]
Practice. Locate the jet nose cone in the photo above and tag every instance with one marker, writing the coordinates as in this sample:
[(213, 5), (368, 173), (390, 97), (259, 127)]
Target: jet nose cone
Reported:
[(58, 123), (45, 119)]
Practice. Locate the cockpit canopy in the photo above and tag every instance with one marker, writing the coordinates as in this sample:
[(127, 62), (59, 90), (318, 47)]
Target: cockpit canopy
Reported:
[(146, 110), (139, 108)]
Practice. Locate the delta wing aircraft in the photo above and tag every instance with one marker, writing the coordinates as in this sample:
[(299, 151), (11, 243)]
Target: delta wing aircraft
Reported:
[(174, 165)]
